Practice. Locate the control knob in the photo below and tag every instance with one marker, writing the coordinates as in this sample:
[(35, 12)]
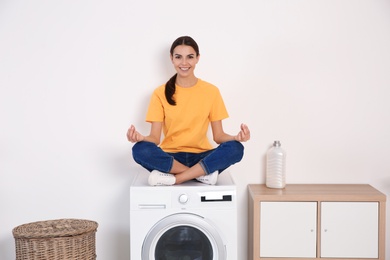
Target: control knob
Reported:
[(183, 198)]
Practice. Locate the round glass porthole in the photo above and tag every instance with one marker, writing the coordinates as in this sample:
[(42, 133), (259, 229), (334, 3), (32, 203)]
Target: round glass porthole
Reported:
[(183, 242), (183, 237)]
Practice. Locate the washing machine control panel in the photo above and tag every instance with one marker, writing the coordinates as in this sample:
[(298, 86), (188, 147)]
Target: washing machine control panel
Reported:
[(205, 199)]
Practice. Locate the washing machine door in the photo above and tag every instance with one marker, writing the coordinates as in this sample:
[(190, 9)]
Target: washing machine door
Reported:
[(183, 236)]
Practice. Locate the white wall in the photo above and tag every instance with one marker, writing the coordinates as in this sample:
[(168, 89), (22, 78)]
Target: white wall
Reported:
[(75, 74)]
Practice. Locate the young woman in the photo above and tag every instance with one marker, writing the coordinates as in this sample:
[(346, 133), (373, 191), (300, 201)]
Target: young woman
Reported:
[(182, 109)]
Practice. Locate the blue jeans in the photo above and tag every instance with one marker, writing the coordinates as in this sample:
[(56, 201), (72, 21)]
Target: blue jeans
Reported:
[(152, 157)]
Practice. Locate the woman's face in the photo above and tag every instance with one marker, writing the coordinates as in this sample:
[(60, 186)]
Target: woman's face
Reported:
[(184, 60)]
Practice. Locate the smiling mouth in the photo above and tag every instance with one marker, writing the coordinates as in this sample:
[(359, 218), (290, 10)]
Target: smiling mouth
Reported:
[(184, 69)]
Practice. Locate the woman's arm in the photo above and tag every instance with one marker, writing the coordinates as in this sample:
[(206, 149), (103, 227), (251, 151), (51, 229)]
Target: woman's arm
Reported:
[(219, 135), (154, 136)]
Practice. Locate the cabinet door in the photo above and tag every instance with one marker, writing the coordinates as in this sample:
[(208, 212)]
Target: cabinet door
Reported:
[(288, 229), (349, 229)]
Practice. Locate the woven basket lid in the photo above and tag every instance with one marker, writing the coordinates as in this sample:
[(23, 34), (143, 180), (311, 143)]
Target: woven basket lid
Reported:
[(54, 228)]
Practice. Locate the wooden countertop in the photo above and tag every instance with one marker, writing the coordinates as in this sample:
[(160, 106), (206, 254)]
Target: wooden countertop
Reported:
[(318, 192)]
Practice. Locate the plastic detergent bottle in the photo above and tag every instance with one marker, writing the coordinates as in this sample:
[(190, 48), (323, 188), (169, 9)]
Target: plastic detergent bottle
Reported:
[(276, 167)]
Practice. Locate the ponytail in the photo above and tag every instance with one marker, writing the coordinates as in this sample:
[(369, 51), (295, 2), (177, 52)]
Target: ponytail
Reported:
[(170, 88)]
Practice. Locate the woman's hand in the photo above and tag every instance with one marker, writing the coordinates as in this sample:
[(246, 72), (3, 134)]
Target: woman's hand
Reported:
[(244, 135), (133, 136)]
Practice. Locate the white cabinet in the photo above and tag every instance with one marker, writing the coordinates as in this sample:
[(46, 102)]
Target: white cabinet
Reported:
[(305, 221), (288, 229), (349, 229)]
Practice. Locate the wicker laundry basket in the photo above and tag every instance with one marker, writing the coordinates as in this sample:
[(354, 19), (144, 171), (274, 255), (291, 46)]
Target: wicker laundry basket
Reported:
[(60, 239)]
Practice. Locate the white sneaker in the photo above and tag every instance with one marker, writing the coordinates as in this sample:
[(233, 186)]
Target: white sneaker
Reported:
[(157, 178), (210, 179)]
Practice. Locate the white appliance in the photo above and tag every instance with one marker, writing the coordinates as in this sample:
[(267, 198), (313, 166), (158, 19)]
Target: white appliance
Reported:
[(191, 221)]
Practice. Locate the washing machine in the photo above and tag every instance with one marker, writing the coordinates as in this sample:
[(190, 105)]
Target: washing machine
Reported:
[(190, 221)]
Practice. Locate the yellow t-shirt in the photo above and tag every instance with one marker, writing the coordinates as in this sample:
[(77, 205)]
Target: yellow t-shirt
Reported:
[(185, 125)]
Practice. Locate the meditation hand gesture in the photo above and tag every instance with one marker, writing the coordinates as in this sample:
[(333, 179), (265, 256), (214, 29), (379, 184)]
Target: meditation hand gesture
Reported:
[(244, 135), (133, 136)]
